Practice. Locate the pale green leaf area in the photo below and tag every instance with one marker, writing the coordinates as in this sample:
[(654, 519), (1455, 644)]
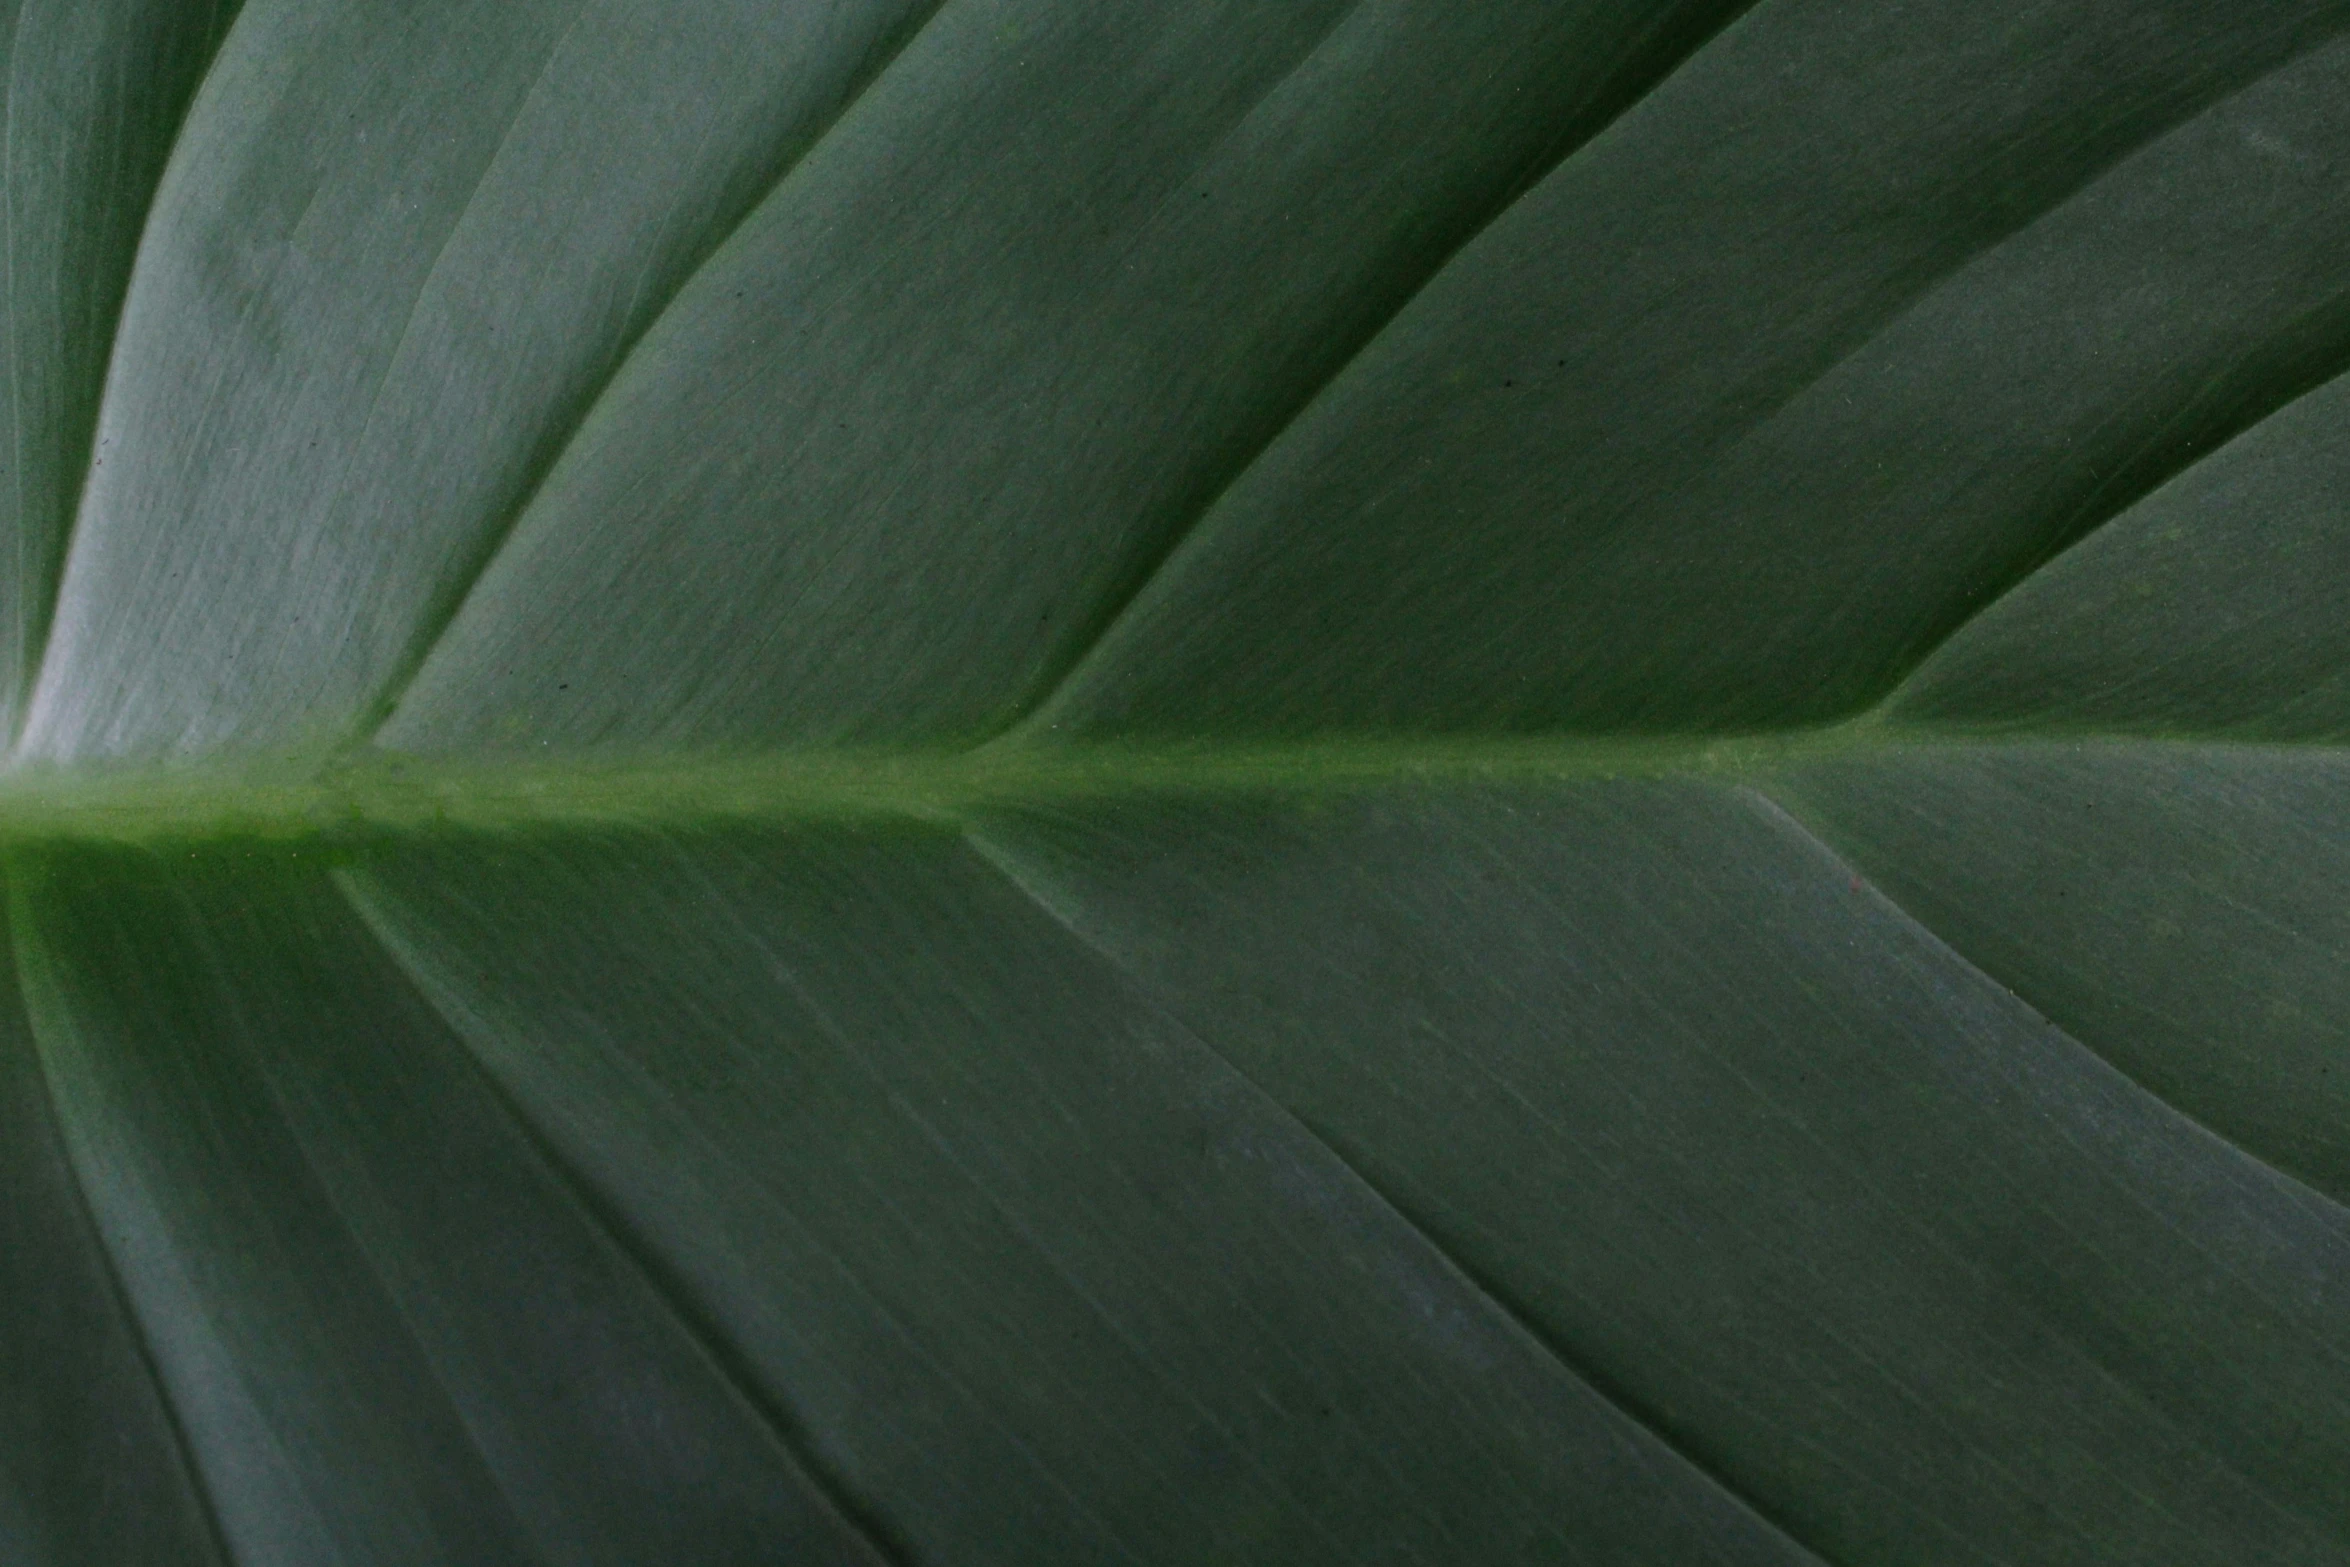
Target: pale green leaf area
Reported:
[(1110, 781)]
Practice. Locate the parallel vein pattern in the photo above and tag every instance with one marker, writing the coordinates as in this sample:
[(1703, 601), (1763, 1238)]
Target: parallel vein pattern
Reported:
[(95, 96), (1566, 1359), (1025, 781), (390, 1334), (1107, 250), (434, 621), (2334, 1207), (1674, 34), (1740, 466), (857, 1512), (94, 1463), (399, 250), (1685, 1093), (1051, 1141)]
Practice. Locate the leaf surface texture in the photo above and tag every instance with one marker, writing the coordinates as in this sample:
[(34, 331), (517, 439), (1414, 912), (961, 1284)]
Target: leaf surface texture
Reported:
[(1004, 781)]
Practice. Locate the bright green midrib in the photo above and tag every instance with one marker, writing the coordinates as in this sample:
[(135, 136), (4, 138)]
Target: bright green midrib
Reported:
[(285, 802)]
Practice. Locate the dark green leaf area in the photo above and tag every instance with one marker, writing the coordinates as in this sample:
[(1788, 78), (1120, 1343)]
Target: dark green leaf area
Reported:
[(1044, 1276), (90, 1468), (2177, 909), (92, 95), (392, 1331), (1855, 321), (1765, 1159), (1450, 1173), (2210, 607), (930, 782)]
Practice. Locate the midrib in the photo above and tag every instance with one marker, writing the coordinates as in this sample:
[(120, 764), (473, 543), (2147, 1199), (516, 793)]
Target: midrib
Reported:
[(284, 802)]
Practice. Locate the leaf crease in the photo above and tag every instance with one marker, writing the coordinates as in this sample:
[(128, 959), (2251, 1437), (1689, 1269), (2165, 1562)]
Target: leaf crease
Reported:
[(1584, 126), (1008, 866), (693, 1324), (2165, 457), (20, 941), (38, 632), (451, 601)]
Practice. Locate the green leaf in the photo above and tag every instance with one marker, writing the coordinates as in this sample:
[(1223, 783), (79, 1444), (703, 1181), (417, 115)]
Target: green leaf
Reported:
[(1000, 781)]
